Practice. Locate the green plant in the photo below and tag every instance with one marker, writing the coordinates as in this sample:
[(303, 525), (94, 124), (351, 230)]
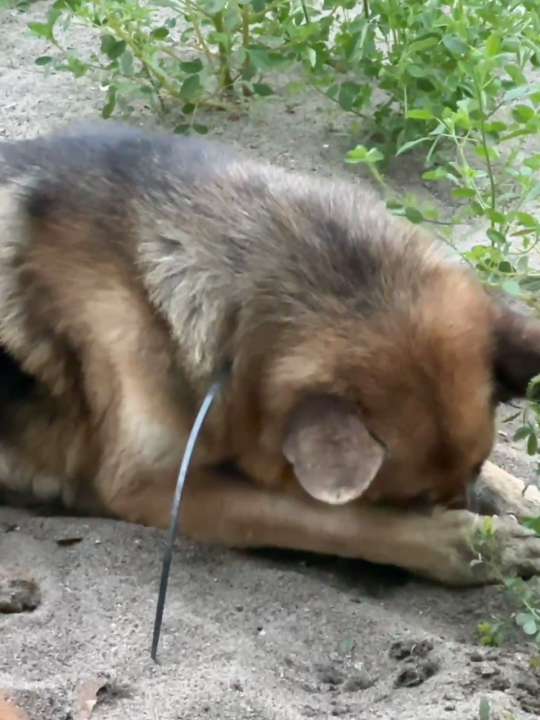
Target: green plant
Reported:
[(198, 53), (522, 621), (195, 51), (420, 54), (484, 710)]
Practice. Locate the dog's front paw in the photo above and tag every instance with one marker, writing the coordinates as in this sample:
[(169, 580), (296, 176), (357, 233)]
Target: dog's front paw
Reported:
[(469, 549), (504, 548)]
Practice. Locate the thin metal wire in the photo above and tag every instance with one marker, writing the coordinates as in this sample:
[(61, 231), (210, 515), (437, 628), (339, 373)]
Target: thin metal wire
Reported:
[(175, 511)]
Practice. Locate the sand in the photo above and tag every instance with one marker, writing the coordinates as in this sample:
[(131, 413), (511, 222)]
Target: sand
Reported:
[(269, 637)]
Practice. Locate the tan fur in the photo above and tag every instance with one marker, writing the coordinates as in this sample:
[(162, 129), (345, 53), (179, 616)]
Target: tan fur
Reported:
[(124, 294)]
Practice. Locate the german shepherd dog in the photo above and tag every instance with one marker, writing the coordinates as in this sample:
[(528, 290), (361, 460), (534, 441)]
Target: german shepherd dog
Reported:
[(364, 368)]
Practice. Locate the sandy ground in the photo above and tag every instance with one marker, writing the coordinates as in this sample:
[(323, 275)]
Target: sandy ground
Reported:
[(270, 637)]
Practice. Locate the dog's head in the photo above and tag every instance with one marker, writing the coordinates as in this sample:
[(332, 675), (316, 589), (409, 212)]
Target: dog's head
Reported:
[(401, 406)]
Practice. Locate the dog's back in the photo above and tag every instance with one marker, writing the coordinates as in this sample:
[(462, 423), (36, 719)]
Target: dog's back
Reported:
[(192, 208), (133, 265)]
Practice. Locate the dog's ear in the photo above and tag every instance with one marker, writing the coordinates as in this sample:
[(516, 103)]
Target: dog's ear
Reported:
[(334, 456), (517, 353)]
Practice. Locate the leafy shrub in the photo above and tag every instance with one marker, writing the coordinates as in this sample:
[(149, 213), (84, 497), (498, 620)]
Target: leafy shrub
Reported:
[(419, 54), (202, 53)]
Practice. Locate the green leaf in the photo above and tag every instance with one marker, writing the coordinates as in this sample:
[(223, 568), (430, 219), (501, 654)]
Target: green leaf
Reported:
[(530, 628), (421, 114), (111, 103), (362, 154), (44, 30), (262, 89), (511, 287), (523, 618), (414, 215), (515, 73), (262, 59), (190, 87), (111, 47), (532, 444), (415, 71), (182, 129), (533, 523), (522, 433), (495, 236), (495, 216), (459, 193), (190, 67), (495, 127), (533, 193), (526, 220), (423, 44), (43, 60), (348, 92), (533, 390), (160, 33), (77, 67), (213, 6), (412, 143), (357, 155), (126, 63), (200, 129), (484, 711), (439, 173), (455, 44), (523, 113), (493, 45), (248, 71), (374, 156), (533, 162)]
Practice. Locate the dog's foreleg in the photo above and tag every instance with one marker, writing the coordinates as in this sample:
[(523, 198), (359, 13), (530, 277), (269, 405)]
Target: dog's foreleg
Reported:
[(228, 511)]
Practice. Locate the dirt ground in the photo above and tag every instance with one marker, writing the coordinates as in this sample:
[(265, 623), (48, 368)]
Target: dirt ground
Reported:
[(270, 637)]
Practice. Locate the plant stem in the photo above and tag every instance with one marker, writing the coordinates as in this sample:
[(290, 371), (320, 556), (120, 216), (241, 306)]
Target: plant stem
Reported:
[(192, 16), (484, 141), (306, 16), (245, 25), (226, 77), (155, 85), (246, 91), (318, 89), (150, 70)]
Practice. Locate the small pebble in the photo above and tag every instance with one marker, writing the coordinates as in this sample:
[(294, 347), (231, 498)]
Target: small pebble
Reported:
[(17, 595)]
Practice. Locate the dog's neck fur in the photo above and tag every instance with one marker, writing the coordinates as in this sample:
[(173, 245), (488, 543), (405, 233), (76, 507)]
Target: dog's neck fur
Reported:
[(258, 286)]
